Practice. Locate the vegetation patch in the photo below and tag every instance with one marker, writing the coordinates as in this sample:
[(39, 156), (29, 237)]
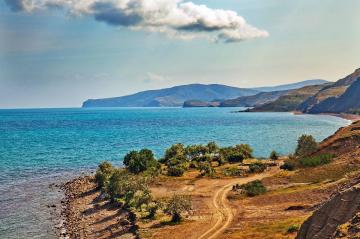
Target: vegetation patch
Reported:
[(257, 167), (252, 189), (316, 160)]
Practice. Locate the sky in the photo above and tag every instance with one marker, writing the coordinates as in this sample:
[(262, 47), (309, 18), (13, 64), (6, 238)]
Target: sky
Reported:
[(57, 53)]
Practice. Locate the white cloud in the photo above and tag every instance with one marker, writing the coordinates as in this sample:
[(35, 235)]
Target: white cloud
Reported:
[(155, 78), (174, 18)]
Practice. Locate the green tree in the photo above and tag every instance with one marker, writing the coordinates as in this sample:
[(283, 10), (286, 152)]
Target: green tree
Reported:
[(274, 155), (206, 169), (174, 150), (176, 206), (212, 148), (306, 146), (137, 162), (237, 153), (103, 174)]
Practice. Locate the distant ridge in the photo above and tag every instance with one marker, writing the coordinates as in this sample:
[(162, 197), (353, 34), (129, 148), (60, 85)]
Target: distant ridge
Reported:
[(194, 95), (172, 97), (292, 86)]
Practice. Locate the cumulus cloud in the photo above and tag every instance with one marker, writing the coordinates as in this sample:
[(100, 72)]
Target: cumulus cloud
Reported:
[(174, 18)]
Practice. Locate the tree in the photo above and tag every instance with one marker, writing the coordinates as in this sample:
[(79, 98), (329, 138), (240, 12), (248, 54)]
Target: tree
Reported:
[(237, 153), (175, 170), (274, 155), (306, 146), (137, 162), (212, 148), (257, 167), (177, 205), (206, 169), (174, 150), (103, 174)]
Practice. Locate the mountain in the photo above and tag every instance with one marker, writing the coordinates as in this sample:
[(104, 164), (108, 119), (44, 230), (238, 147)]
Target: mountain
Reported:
[(200, 103), (254, 100), (292, 86), (330, 91), (196, 95), (289, 101), (174, 96), (348, 102), (342, 96)]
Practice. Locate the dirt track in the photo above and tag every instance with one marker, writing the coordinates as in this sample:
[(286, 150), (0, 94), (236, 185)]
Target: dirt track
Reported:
[(224, 212)]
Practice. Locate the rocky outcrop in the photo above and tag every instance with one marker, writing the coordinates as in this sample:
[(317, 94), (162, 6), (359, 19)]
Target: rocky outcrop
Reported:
[(338, 210)]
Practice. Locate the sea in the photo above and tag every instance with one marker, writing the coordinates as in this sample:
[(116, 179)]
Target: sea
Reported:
[(40, 147)]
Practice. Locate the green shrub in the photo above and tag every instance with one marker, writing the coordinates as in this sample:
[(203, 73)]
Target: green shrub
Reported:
[(293, 229), (174, 151), (306, 146), (237, 153), (316, 160), (103, 174), (177, 205), (257, 167), (288, 165), (175, 170), (274, 155), (233, 172), (253, 188), (137, 162), (206, 169)]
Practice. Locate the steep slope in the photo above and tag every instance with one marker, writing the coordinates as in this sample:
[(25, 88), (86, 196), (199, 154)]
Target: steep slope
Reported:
[(290, 101), (254, 100), (329, 91), (337, 214), (348, 102), (174, 96), (292, 86)]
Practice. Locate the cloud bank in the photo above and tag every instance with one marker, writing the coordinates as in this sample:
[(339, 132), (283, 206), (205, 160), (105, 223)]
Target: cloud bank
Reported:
[(174, 18)]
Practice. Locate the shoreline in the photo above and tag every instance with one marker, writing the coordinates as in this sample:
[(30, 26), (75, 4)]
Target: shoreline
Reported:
[(350, 117)]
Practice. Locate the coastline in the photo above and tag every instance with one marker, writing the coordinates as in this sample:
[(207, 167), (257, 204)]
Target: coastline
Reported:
[(350, 117), (85, 213)]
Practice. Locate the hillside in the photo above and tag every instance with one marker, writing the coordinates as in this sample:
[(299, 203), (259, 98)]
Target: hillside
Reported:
[(289, 101), (200, 103), (253, 100), (330, 91), (348, 102), (174, 96), (292, 86)]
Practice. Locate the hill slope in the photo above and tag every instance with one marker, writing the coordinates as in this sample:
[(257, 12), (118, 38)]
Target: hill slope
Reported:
[(290, 101), (329, 91), (292, 86), (254, 100), (174, 96)]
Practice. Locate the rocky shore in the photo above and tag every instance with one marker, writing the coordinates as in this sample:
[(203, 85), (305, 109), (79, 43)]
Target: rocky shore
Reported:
[(85, 213)]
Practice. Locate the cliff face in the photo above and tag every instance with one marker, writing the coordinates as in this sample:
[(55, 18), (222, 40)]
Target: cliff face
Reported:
[(347, 102), (325, 98), (336, 211)]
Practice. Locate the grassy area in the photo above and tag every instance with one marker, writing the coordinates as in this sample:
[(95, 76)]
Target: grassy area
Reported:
[(272, 229)]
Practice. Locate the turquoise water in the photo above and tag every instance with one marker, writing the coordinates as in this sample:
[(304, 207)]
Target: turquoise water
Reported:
[(40, 146)]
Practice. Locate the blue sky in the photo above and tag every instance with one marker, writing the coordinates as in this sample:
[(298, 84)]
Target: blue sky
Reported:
[(52, 58)]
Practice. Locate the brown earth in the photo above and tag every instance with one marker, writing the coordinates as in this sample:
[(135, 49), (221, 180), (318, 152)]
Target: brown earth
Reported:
[(218, 212)]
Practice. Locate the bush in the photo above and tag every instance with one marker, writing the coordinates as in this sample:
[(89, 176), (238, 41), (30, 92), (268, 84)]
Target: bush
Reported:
[(173, 151), (137, 162), (177, 205), (237, 153), (254, 188), (233, 172), (103, 174), (123, 185), (257, 167), (288, 165), (274, 155), (306, 146), (206, 169), (175, 170), (293, 229), (316, 160)]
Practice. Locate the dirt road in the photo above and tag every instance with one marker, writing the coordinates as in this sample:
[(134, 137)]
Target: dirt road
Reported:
[(224, 214)]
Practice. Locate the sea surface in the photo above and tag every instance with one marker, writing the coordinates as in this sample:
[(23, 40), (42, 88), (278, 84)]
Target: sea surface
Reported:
[(39, 147)]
